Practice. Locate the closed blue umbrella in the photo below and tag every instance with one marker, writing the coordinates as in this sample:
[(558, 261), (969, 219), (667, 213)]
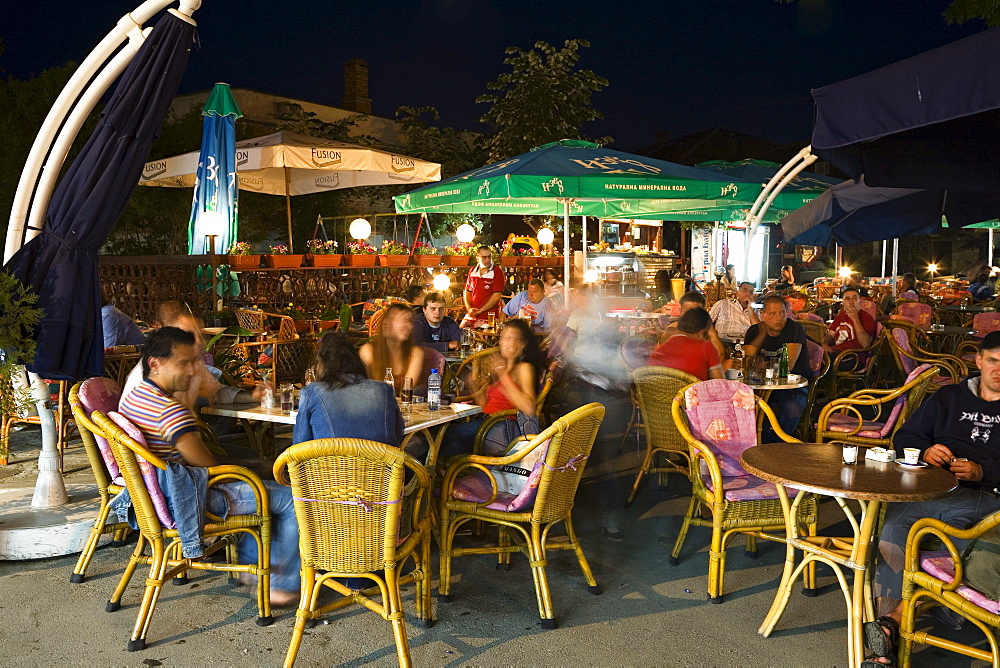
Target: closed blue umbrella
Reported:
[(61, 263), (215, 191)]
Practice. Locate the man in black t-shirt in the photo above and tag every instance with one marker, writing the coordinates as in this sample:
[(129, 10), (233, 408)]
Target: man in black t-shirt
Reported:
[(775, 330)]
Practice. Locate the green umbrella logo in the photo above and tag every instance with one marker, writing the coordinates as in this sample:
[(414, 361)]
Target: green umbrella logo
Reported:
[(554, 182)]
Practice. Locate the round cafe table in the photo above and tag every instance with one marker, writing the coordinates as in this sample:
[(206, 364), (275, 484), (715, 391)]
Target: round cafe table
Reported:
[(818, 468), (945, 338)]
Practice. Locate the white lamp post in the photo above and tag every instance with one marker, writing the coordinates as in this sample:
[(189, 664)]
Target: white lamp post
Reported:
[(441, 282), (465, 233)]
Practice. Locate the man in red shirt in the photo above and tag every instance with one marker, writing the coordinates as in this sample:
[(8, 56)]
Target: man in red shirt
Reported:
[(851, 329), (483, 288), (690, 351)]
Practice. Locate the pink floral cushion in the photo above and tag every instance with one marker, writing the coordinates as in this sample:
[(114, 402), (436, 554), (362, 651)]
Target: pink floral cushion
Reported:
[(815, 356), (984, 323), (903, 339), (869, 307), (477, 488), (722, 415), (745, 488), (847, 423), (940, 565), (102, 394), (918, 313), (148, 471)]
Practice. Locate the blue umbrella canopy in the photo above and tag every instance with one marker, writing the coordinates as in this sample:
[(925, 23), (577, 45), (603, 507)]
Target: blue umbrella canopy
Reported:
[(60, 264), (214, 209)]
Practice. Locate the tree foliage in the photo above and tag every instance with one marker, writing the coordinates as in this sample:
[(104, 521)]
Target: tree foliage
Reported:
[(19, 317), (961, 11), (543, 98)]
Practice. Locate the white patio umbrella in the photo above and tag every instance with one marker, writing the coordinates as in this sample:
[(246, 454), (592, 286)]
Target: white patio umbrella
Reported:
[(288, 164)]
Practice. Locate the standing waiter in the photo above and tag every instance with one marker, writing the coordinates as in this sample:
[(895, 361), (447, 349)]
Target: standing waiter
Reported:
[(483, 289)]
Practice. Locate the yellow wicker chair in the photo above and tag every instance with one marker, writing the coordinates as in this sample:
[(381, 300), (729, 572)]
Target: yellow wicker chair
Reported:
[(60, 409), (105, 487), (165, 562), (255, 320), (950, 368), (289, 358), (844, 371), (119, 361), (346, 492), (815, 331), (760, 512), (570, 439), (656, 387), (842, 420), (921, 590), (477, 362)]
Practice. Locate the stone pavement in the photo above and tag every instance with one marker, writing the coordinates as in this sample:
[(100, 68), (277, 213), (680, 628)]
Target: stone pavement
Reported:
[(649, 612)]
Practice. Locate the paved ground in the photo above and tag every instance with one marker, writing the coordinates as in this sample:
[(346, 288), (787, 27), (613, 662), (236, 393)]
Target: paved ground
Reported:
[(649, 612)]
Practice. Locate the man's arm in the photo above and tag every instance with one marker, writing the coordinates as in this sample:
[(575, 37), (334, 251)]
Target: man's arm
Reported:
[(752, 345), (491, 302), (193, 451), (511, 307)]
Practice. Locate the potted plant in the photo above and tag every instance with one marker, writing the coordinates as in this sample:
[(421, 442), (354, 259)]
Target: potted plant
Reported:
[(360, 254), (281, 258), (320, 253), (526, 257), (508, 257), (549, 258), (302, 321), (240, 256), (219, 318), (393, 254), (459, 254), (425, 255), (18, 319)]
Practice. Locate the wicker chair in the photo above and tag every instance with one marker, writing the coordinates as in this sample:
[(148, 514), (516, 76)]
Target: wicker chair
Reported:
[(165, 562), (815, 331), (717, 419), (655, 388), (920, 314), (820, 364), (287, 360), (477, 362), (102, 394), (844, 367), (346, 491), (951, 368), (634, 352), (983, 323), (842, 420), (935, 578), (544, 386), (569, 441), (119, 361), (256, 321)]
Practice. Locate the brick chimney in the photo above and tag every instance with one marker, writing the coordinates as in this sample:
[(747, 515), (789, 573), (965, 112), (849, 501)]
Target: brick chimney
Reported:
[(356, 86)]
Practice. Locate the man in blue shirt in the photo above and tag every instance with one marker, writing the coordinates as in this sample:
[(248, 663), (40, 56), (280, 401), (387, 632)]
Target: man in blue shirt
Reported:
[(119, 329), (534, 304), (433, 329), (980, 289)]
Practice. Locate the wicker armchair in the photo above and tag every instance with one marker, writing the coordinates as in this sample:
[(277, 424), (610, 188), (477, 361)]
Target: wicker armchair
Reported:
[(820, 364), (286, 360), (256, 321), (634, 352), (718, 420), (655, 388), (346, 491), (119, 361), (815, 331), (847, 371), (842, 420), (951, 368), (165, 562), (569, 441), (983, 323), (935, 578), (478, 362), (545, 385), (101, 394), (58, 392)]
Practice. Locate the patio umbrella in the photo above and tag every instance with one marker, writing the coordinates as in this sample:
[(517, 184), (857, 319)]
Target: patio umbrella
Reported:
[(289, 164), (215, 192), (60, 264)]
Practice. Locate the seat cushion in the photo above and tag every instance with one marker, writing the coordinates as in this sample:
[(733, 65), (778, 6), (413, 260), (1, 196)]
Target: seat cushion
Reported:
[(847, 423), (517, 483), (940, 565), (102, 394), (745, 488), (722, 414), (147, 470)]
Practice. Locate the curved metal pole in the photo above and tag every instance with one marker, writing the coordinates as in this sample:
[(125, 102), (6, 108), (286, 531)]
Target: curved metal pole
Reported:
[(567, 251)]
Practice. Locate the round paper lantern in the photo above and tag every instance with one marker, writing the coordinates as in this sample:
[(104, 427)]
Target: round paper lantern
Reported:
[(546, 236), (360, 229), (465, 233), (441, 282)]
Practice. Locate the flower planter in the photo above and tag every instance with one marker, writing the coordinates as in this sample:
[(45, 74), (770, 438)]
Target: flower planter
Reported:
[(302, 326), (323, 260), (528, 261), (427, 260), (359, 260), (509, 261), (283, 261), (551, 261), (243, 262), (456, 260), (327, 324), (393, 260)]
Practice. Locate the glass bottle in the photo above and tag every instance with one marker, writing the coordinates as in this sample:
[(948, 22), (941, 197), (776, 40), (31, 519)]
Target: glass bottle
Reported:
[(783, 365), (389, 380)]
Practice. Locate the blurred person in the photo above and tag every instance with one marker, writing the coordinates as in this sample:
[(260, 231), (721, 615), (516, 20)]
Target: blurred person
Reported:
[(553, 286), (393, 348), (483, 289), (510, 383), (534, 304), (854, 283), (786, 280), (732, 317), (980, 289), (169, 364), (434, 329), (908, 288), (119, 329), (690, 350), (850, 330), (415, 295), (775, 330)]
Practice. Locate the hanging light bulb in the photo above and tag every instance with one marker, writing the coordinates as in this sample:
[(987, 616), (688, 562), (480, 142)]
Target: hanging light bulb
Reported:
[(546, 236), (590, 276), (465, 233), (845, 272), (441, 282), (360, 229)]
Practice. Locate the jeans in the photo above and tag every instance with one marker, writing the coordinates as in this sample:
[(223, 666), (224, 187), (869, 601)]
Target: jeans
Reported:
[(788, 406), (284, 530)]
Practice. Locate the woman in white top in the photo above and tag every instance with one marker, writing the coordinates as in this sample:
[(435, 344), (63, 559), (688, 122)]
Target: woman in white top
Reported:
[(553, 286)]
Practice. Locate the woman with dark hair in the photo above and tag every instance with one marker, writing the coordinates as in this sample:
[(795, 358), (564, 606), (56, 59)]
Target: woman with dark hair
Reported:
[(343, 403), (393, 349), (511, 383), (787, 279), (690, 350)]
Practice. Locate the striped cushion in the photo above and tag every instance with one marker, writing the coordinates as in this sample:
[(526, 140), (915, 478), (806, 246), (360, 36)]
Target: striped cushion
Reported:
[(148, 472)]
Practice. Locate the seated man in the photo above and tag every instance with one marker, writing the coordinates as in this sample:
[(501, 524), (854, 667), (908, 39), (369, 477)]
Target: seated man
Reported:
[(415, 296), (980, 289), (169, 363), (732, 317), (850, 330), (534, 304), (119, 329), (776, 330), (688, 301), (434, 329), (690, 351), (955, 428)]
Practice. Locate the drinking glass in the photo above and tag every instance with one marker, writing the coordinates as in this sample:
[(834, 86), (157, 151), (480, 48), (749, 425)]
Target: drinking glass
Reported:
[(491, 318), (406, 394), (286, 397)]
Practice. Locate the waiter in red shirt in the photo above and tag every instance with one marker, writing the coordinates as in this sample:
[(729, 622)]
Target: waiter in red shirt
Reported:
[(483, 288)]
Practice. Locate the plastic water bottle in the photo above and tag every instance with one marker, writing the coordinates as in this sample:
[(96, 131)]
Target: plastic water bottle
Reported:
[(434, 391), (268, 400)]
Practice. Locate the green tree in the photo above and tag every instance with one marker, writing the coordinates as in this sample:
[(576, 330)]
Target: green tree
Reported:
[(543, 98), (961, 11)]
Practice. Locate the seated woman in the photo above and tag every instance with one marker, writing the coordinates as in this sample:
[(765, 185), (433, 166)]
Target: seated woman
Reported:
[(512, 382), (553, 286), (690, 350), (343, 403), (393, 349)]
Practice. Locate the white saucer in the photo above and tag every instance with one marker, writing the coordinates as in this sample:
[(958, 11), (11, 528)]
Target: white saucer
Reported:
[(918, 465)]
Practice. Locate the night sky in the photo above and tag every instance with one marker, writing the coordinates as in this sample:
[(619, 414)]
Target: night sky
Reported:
[(674, 65)]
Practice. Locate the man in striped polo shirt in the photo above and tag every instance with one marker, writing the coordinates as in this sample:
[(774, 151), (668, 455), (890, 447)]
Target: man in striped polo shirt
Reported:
[(171, 432)]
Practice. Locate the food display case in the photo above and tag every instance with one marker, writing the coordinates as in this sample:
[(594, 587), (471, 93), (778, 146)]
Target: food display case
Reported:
[(623, 273)]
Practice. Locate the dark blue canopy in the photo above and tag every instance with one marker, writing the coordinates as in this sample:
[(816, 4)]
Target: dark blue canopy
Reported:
[(931, 121), (61, 263)]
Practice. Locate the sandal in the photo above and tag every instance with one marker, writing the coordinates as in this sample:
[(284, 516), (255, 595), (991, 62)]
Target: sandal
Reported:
[(881, 641)]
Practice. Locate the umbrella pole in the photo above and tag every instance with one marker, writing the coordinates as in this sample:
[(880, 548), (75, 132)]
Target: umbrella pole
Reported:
[(989, 253), (584, 247), (567, 251), (884, 245), (50, 490), (288, 207), (895, 264)]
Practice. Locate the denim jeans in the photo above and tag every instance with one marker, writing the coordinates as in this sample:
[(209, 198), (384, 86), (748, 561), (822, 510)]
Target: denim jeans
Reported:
[(788, 406), (284, 530)]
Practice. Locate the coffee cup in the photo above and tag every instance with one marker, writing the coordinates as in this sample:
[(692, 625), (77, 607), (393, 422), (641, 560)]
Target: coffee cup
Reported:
[(732, 374), (911, 456)]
